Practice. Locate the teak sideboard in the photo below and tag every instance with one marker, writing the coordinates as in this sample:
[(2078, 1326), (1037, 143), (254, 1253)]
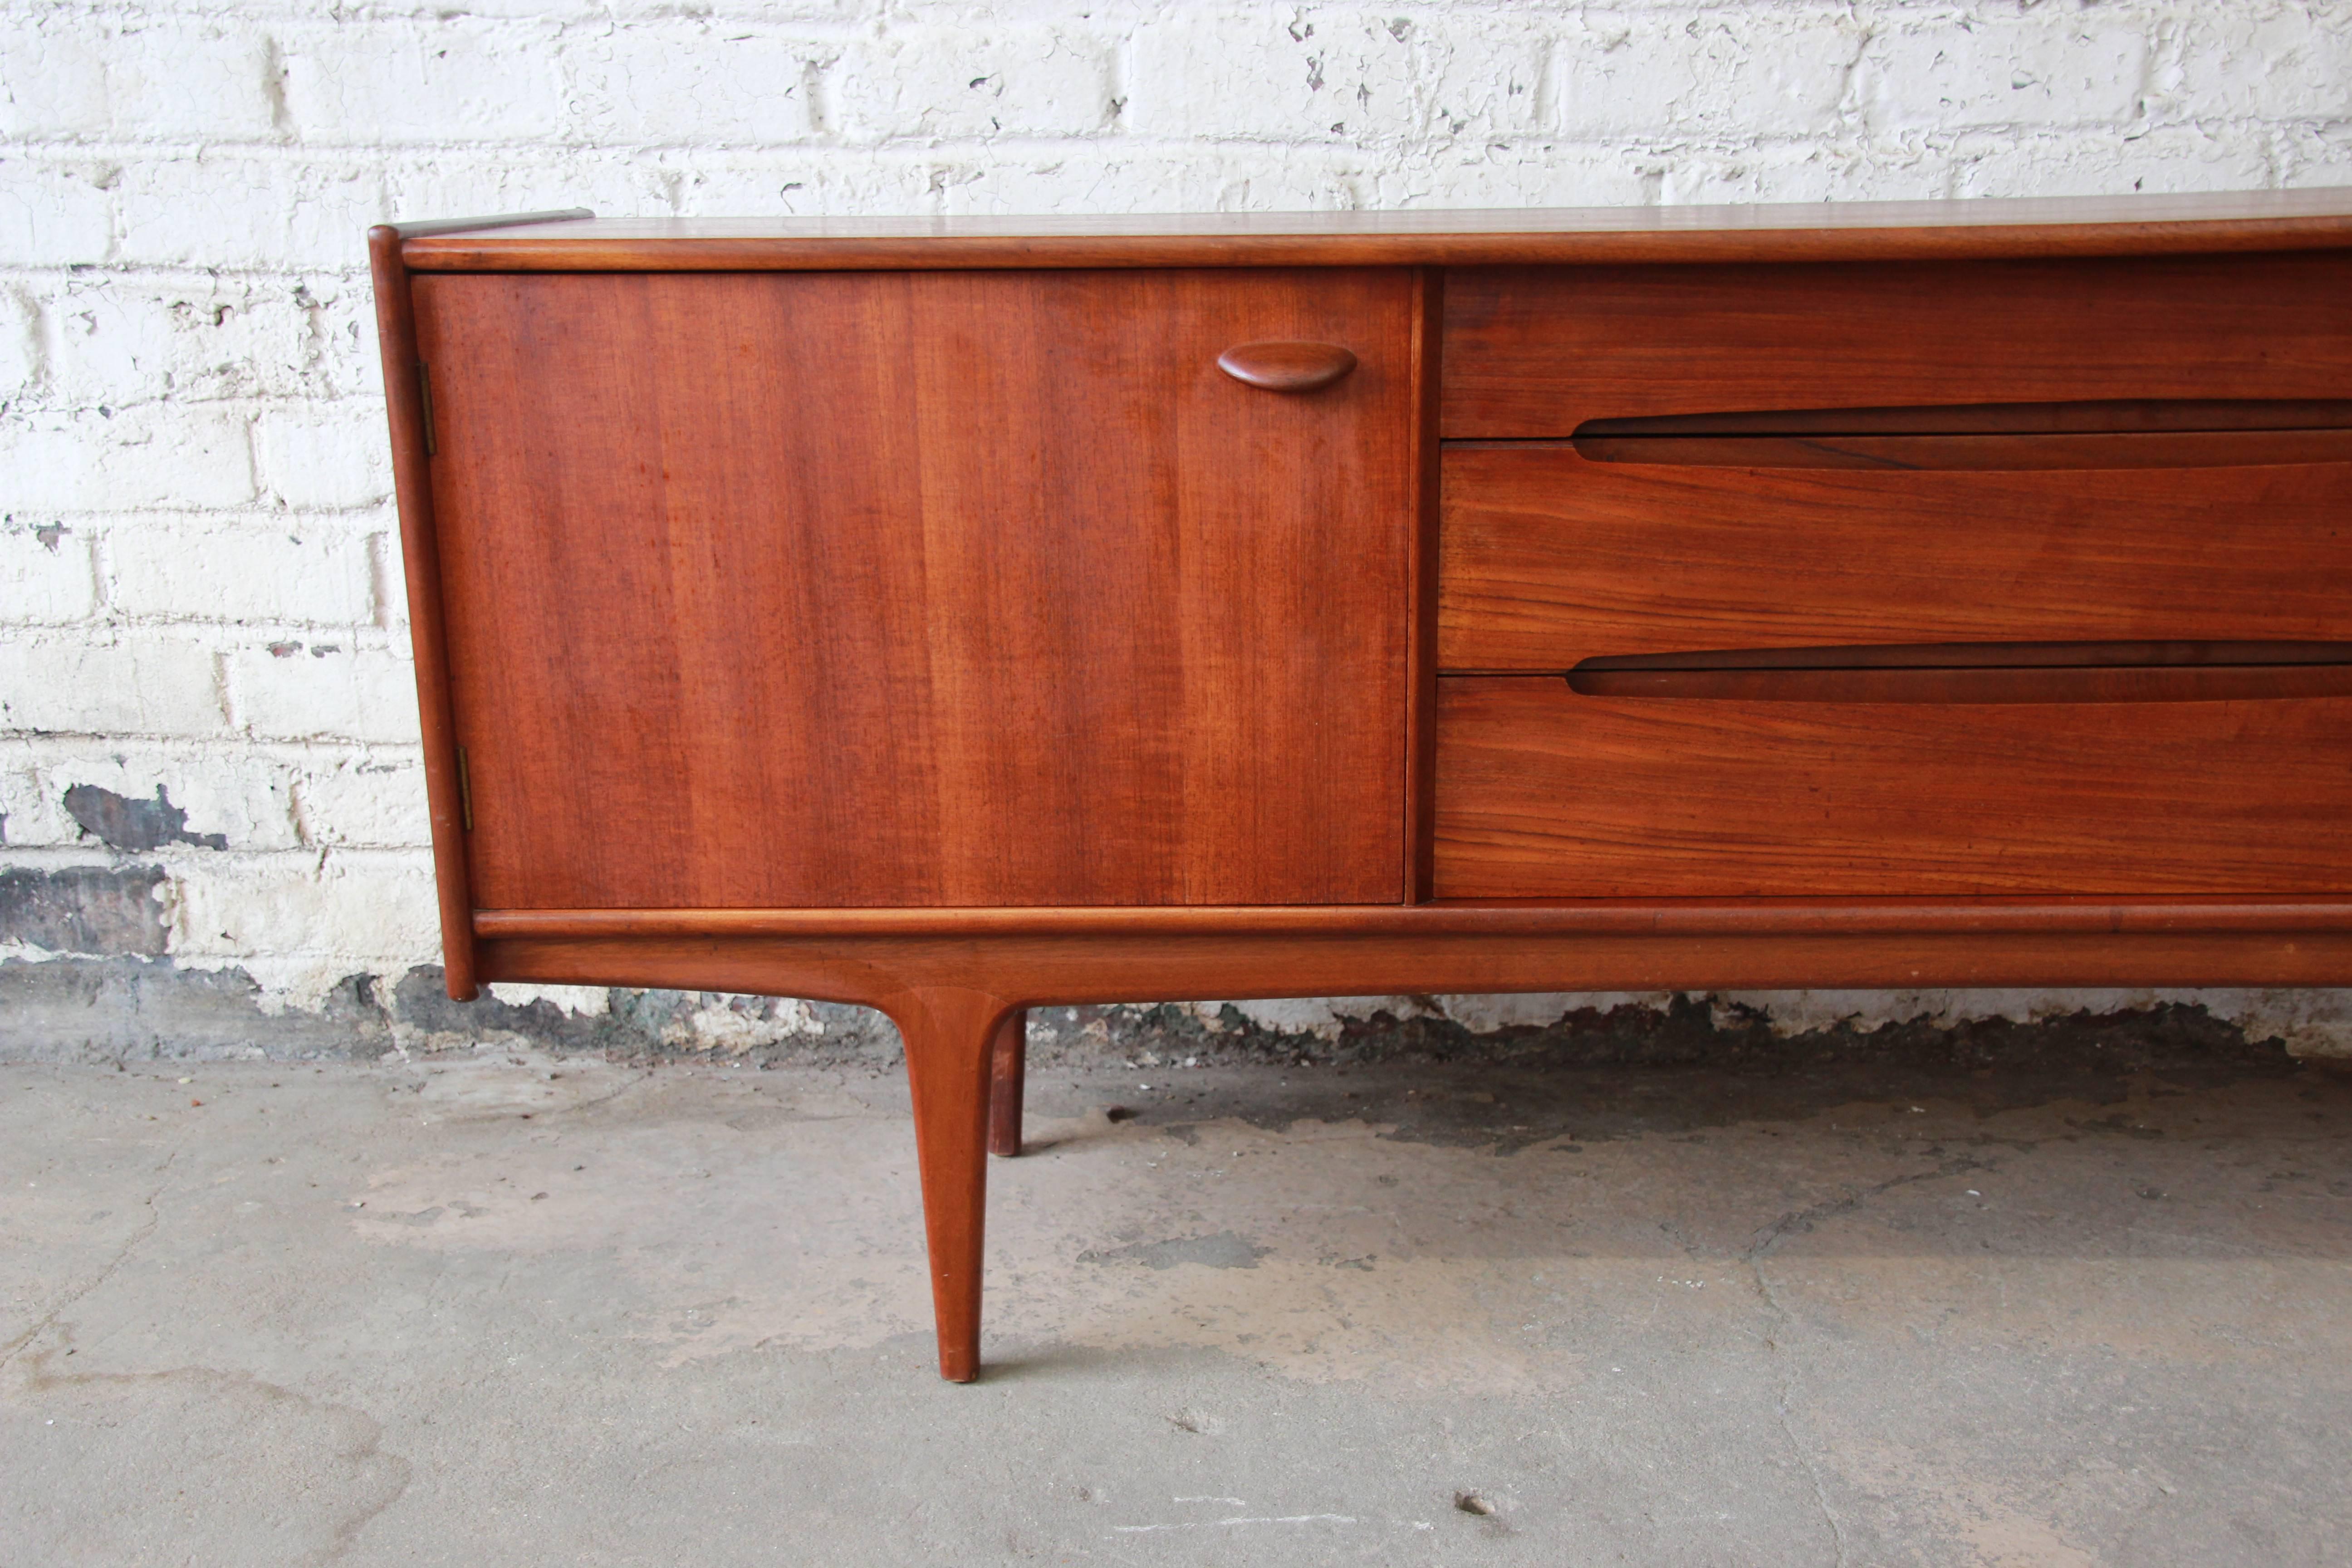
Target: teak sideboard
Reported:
[(956, 616)]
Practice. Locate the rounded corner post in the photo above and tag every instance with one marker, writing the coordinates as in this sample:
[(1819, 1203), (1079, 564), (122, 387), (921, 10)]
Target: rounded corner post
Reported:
[(396, 334)]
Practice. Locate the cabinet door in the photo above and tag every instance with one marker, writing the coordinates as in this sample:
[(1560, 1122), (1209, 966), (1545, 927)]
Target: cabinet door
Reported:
[(960, 589)]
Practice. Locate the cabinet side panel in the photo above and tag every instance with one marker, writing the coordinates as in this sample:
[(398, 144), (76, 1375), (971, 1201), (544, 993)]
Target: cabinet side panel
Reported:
[(929, 588)]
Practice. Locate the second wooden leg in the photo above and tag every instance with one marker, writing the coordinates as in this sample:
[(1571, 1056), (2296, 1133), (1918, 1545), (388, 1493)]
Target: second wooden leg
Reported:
[(1008, 1061), (949, 1035)]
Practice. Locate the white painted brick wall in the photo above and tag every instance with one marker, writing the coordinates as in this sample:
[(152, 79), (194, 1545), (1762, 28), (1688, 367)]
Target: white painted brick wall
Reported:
[(199, 582)]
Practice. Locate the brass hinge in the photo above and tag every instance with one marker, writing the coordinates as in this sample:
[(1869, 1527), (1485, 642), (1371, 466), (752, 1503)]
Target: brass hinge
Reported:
[(424, 396), (465, 790)]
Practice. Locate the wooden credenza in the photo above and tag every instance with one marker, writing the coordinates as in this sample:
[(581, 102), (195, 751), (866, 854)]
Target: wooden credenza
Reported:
[(958, 616)]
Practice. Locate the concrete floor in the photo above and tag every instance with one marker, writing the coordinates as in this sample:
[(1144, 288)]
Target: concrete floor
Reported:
[(513, 1310)]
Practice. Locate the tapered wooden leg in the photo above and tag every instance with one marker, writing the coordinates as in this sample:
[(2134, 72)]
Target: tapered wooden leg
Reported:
[(1008, 1063), (949, 1035)]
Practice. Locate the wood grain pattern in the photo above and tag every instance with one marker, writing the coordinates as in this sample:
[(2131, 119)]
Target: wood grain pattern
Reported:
[(420, 555), (1548, 558), (1420, 648), (1886, 231), (1114, 967), (1243, 946), (934, 588), (1537, 352), (1546, 794)]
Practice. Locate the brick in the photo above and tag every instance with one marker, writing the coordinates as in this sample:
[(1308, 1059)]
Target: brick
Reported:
[(2274, 62), (54, 214), (889, 180), (941, 82), (2312, 155), (52, 79), (1799, 171), (233, 795), (290, 573), (1258, 74), (139, 684), (122, 340), (1733, 72), (131, 337), (353, 904), (327, 454), (185, 80), (324, 689), (1311, 75), (391, 583), (366, 83), (1480, 82), (233, 210), (70, 75), (747, 87), (2172, 158), (83, 908), (24, 343), (1511, 174), (425, 185), (739, 14), (375, 799), (156, 455), (46, 573), (1966, 75), (25, 817), (1186, 180)]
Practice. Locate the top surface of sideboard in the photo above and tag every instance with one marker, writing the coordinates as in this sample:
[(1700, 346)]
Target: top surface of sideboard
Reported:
[(2106, 226)]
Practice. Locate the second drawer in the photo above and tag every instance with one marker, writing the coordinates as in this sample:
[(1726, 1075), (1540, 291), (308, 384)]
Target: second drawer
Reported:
[(1548, 558)]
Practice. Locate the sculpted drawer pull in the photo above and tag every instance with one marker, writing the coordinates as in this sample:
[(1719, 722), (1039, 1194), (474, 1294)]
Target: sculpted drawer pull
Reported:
[(2143, 433), (1981, 673), (1286, 367)]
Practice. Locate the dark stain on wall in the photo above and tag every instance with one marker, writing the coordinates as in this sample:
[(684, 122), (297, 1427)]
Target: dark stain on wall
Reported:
[(142, 1009), (135, 827), (84, 908), (1591, 1073)]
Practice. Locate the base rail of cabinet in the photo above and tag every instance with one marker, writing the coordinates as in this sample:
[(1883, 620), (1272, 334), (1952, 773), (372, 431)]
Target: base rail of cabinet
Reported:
[(958, 1000)]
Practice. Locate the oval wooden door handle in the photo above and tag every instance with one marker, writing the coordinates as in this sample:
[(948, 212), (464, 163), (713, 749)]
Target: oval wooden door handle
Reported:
[(1286, 367)]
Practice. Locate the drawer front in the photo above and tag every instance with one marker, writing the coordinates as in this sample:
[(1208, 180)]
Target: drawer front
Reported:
[(1547, 558), (1542, 793), (1536, 351)]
